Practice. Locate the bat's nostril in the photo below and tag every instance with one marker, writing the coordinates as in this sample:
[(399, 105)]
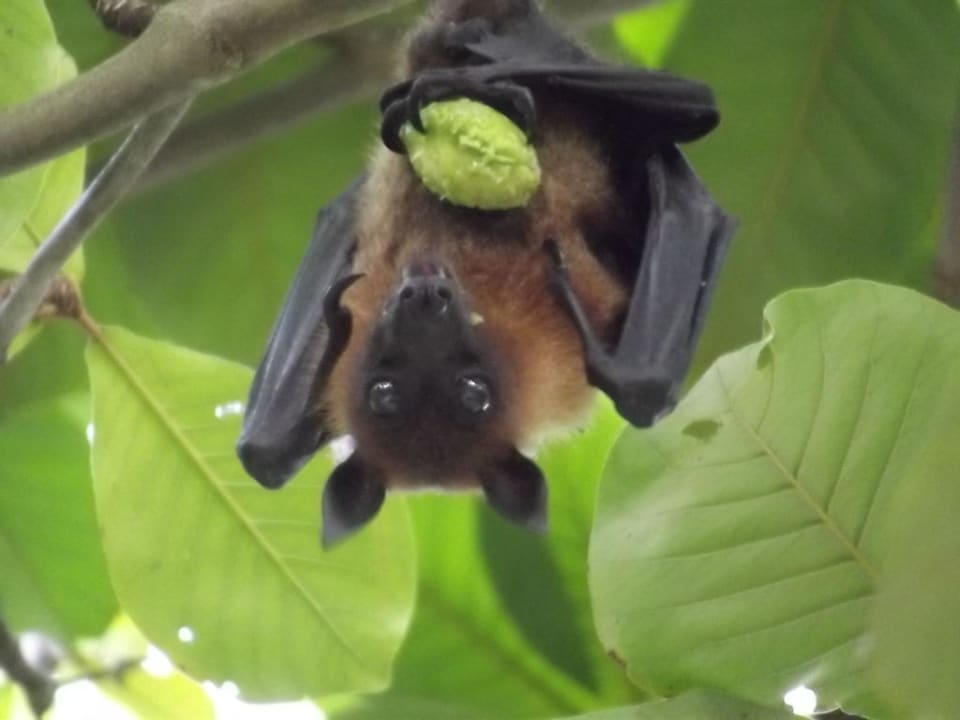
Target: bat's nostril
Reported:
[(444, 294), (407, 293)]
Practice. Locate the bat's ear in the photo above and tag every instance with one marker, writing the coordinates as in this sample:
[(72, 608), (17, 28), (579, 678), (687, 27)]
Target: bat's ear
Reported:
[(516, 489), (352, 497)]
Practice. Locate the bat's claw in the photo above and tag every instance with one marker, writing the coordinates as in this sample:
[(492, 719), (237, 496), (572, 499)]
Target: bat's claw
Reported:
[(404, 102), (393, 119), (339, 323)]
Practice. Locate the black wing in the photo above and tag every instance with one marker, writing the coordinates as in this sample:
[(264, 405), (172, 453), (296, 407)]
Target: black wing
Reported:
[(527, 54), (685, 238), (662, 107), (282, 426)]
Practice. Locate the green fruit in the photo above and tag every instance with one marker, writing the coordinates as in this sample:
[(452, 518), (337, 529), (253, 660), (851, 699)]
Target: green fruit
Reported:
[(472, 155)]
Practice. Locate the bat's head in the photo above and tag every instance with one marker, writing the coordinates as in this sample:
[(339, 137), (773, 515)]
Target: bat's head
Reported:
[(428, 410)]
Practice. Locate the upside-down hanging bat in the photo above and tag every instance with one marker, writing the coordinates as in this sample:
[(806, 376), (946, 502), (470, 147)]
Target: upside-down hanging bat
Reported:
[(445, 340)]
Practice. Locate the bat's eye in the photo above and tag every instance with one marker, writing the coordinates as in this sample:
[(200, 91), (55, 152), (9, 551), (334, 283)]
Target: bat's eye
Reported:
[(475, 395), (383, 397)]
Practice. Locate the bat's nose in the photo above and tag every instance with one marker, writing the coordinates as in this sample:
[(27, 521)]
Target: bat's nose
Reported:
[(425, 294)]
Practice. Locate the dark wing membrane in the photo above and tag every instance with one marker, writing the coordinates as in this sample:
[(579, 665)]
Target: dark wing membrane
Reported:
[(681, 110), (686, 239), (281, 426)]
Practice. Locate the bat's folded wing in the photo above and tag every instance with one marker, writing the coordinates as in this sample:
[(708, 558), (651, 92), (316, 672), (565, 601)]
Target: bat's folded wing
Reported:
[(686, 239), (282, 427)]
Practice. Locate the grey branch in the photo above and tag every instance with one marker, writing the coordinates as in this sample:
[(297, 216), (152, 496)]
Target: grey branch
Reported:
[(119, 175), (360, 70), (38, 688), (190, 46)]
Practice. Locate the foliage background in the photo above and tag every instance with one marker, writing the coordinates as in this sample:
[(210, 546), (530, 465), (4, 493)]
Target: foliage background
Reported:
[(839, 118)]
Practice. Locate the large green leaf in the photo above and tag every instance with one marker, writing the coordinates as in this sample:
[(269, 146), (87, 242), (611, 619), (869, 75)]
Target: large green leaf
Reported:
[(542, 581), (32, 62), (740, 543), (833, 144), (490, 596), (61, 185), (918, 643), (50, 554), (225, 576), (464, 659)]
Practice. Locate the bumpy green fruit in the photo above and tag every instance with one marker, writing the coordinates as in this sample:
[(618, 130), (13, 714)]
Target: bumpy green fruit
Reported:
[(472, 155)]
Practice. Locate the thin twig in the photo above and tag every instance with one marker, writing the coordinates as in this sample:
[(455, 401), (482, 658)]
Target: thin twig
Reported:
[(38, 687), (189, 47), (106, 190)]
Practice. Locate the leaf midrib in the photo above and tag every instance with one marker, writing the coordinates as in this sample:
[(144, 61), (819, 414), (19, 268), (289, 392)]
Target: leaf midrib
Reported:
[(562, 691), (855, 553), (186, 447)]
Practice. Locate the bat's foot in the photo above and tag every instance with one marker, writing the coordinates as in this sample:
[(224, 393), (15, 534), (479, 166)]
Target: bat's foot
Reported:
[(403, 103), (642, 395)]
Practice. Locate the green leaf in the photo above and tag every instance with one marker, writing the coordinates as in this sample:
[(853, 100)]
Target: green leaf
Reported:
[(836, 122), (740, 543), (61, 185), (647, 33), (916, 615), (542, 581), (54, 575), (483, 584), (159, 698), (32, 63), (697, 704), (226, 577)]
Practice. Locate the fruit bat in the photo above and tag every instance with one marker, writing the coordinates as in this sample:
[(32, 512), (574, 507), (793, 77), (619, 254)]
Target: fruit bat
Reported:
[(449, 341)]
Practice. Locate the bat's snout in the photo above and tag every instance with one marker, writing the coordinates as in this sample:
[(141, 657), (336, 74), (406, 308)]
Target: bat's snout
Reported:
[(425, 296)]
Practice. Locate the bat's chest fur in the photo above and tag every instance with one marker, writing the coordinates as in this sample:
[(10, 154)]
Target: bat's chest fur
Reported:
[(498, 260)]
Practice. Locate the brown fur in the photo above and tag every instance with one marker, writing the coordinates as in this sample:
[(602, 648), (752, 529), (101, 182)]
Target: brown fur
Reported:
[(499, 262), (504, 272)]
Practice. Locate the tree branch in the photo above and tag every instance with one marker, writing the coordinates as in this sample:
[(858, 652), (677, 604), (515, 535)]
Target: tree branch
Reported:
[(365, 51), (38, 688), (190, 46), (269, 113), (106, 191)]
